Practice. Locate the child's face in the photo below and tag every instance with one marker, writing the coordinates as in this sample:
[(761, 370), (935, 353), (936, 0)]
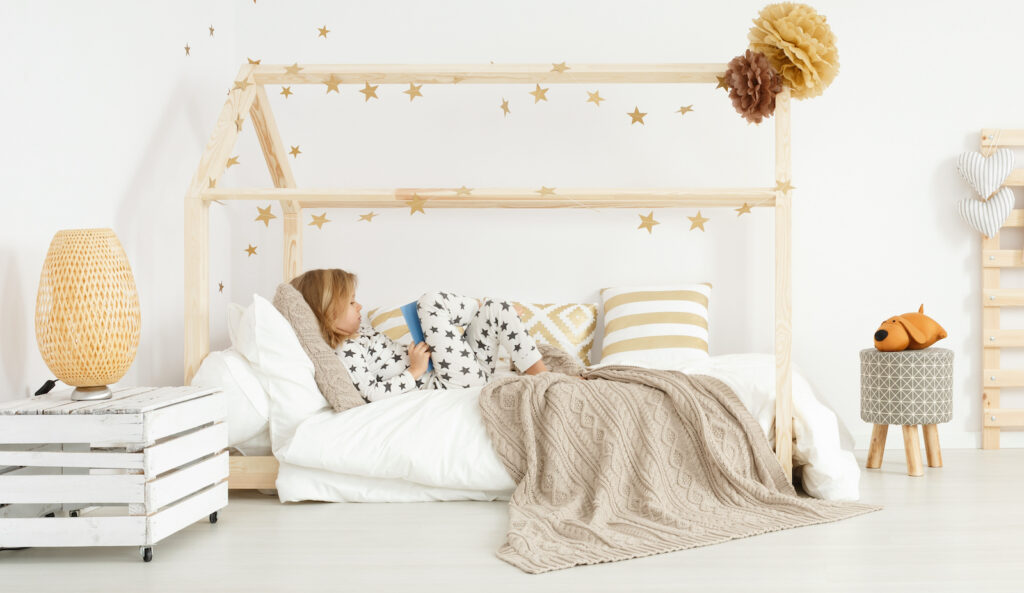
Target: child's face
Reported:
[(348, 322)]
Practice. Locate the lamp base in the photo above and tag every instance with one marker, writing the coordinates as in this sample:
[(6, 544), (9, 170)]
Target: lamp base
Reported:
[(82, 394)]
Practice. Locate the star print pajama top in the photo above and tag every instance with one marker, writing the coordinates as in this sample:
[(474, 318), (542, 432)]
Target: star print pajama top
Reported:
[(379, 366)]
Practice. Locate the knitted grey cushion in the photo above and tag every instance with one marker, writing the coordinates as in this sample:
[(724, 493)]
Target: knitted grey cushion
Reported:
[(329, 372), (908, 387)]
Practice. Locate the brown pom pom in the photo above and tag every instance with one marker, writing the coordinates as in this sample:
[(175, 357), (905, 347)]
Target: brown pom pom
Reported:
[(800, 46), (753, 84)]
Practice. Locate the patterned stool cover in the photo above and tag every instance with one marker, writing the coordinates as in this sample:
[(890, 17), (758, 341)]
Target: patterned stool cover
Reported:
[(909, 387)]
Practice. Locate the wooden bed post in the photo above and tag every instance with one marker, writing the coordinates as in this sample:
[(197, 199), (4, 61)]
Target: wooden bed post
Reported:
[(197, 219), (281, 173), (783, 287)]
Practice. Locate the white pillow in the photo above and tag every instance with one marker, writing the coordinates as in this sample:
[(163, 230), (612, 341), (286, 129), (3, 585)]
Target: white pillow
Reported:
[(659, 325), (266, 339), (247, 402)]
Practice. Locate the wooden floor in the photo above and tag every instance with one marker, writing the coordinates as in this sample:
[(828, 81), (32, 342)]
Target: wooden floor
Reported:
[(959, 528)]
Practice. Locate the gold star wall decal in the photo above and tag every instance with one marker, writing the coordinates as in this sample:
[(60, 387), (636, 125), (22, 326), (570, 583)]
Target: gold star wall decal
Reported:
[(744, 209), (295, 152), (211, 30), (647, 222), (251, 250), (784, 186), (595, 98), (685, 109), (293, 69), (220, 286), (539, 94), (722, 84), (323, 31), (369, 217), (238, 123), (332, 84), (370, 91), (559, 67), (187, 49), (697, 221), (416, 203), (286, 91), (252, 61), (265, 215), (504, 106), (546, 191), (241, 84), (414, 91), (637, 116), (319, 221), (232, 161), (463, 191)]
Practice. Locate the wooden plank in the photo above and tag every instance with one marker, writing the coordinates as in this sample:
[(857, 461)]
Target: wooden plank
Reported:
[(59, 402), (1003, 418), (281, 173), (1003, 297), (178, 484), (1003, 338), (990, 356), (73, 531), (1002, 258), (490, 73), (172, 420), (183, 449), (1015, 178), (783, 288), (152, 400), (253, 471), (182, 514), (1003, 378), (1015, 219), (995, 138), (72, 459), (506, 197), (71, 429), (99, 488)]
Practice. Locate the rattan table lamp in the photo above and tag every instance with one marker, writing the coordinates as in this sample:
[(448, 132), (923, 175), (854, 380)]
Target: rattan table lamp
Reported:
[(87, 311)]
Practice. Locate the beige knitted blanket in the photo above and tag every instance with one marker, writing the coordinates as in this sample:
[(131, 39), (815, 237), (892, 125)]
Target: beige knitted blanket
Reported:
[(634, 462)]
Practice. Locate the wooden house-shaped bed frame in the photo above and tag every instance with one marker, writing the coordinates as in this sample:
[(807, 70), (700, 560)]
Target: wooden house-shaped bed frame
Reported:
[(248, 96)]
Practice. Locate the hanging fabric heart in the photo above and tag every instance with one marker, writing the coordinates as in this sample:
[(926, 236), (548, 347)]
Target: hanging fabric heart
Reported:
[(988, 216), (985, 174)]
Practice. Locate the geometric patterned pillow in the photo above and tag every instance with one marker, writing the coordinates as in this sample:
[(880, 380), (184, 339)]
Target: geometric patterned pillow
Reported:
[(655, 325), (567, 326)]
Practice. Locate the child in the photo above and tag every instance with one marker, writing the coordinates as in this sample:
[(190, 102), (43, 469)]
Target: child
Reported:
[(380, 367)]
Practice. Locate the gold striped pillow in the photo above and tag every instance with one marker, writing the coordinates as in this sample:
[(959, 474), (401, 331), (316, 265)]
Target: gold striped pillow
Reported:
[(656, 325), (390, 322)]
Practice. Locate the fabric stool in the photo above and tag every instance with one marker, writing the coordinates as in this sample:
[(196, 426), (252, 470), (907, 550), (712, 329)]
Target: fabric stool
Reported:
[(911, 388)]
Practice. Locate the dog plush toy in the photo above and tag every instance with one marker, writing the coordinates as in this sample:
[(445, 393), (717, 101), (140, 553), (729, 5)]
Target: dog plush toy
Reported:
[(910, 331)]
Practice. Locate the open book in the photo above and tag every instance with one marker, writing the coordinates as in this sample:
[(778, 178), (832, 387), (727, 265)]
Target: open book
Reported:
[(412, 319)]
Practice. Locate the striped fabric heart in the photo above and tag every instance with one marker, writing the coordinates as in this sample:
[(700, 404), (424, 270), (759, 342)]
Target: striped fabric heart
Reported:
[(988, 216), (985, 174)]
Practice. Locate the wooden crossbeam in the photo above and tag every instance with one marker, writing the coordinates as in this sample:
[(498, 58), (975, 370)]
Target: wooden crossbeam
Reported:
[(487, 73)]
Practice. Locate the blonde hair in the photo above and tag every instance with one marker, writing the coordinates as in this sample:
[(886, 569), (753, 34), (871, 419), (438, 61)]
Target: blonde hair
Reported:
[(328, 293)]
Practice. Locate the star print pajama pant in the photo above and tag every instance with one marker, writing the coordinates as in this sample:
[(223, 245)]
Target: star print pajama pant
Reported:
[(469, 359)]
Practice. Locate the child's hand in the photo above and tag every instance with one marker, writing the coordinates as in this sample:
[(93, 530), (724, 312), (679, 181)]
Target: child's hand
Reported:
[(419, 355)]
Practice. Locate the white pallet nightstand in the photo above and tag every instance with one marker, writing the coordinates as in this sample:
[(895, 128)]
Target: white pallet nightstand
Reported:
[(158, 451)]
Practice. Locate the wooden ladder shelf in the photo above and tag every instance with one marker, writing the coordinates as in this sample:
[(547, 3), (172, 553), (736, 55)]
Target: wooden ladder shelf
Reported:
[(993, 299)]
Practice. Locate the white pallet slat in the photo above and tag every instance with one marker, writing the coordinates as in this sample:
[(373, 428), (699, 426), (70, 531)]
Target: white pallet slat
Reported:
[(150, 400), (174, 419), (186, 512), (178, 484), (72, 428), (59, 402), (110, 488), (180, 450), (72, 459), (73, 531)]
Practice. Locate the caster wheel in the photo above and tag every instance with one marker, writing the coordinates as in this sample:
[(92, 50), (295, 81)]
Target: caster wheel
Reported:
[(72, 513), (213, 517), (147, 553)]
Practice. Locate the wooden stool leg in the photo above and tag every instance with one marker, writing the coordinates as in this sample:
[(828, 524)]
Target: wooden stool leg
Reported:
[(877, 448), (912, 443), (931, 445)]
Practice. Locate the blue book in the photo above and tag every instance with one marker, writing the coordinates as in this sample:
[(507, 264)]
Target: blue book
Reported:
[(412, 319)]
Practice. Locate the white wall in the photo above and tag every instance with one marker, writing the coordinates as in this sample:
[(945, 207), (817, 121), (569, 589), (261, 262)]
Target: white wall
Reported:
[(105, 119)]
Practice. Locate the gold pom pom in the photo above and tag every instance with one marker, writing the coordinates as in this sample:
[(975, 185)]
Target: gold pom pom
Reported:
[(799, 44), (753, 84)]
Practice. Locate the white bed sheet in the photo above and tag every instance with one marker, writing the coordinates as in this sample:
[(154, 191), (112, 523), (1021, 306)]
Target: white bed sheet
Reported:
[(432, 445)]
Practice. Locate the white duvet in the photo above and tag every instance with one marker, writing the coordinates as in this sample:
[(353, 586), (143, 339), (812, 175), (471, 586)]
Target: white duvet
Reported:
[(432, 445)]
